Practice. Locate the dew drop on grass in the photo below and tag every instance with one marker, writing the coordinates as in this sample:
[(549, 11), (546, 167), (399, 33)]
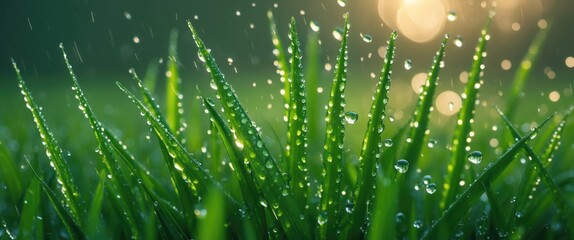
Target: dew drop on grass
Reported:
[(431, 188), (338, 33), (475, 157), (458, 41), (402, 166), (342, 3), (426, 180), (322, 219), (351, 117), (366, 38), (451, 16), (400, 217), (314, 26), (388, 142), (408, 64), (432, 143), (418, 224)]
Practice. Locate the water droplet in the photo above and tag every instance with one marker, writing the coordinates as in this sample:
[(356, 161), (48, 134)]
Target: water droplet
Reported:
[(431, 188), (418, 224), (408, 64), (322, 219), (342, 3), (450, 106), (338, 33), (402, 165), (432, 143), (314, 26), (519, 214), (426, 180), (400, 217), (451, 16), (366, 37), (351, 117), (475, 157), (458, 41), (388, 142)]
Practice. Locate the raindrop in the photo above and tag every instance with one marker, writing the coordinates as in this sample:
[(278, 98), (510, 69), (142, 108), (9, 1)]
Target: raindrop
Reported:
[(432, 143), (418, 224), (351, 117), (431, 188), (342, 3), (451, 16), (400, 217), (366, 37), (388, 142), (426, 180), (450, 106), (127, 15), (322, 219), (402, 165), (338, 33), (458, 41), (314, 26), (408, 64), (475, 157)]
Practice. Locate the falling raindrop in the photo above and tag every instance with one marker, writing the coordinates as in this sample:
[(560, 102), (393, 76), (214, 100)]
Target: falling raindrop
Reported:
[(451, 16), (431, 188), (402, 165), (351, 117), (408, 64), (475, 157), (432, 143), (458, 41), (426, 180), (450, 106), (342, 3), (314, 26), (322, 219), (366, 37), (338, 33), (418, 224)]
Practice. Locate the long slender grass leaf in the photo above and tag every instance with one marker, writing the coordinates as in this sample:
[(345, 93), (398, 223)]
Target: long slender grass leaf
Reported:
[(173, 97), (330, 211), (31, 219), (372, 143), (93, 223), (54, 153), (119, 182), (269, 178), (211, 225), (10, 175), (464, 120)]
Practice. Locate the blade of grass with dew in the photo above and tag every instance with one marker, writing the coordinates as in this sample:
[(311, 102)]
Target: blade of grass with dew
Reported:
[(93, 223), (561, 202), (65, 179), (172, 95), (186, 195), (496, 212), (119, 182), (30, 226), (467, 199), (281, 59), (523, 72), (312, 73), (268, 176), (71, 226), (211, 223), (384, 224), (419, 124), (372, 144), (464, 120), (10, 175), (248, 186), (297, 123), (329, 212)]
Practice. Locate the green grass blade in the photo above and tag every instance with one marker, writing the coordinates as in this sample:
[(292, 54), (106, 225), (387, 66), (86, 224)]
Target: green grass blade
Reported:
[(70, 224), (268, 176), (330, 209), (464, 121), (211, 225), (372, 143), (384, 224), (248, 186), (172, 94), (93, 223), (562, 204), (30, 220), (281, 58), (467, 199), (419, 125), (496, 212), (54, 153), (523, 72), (119, 182), (10, 175), (297, 123)]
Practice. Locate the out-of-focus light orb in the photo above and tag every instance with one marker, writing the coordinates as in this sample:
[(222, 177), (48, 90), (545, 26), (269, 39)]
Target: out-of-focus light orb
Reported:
[(506, 64), (418, 82), (569, 62), (554, 96), (418, 20), (448, 103)]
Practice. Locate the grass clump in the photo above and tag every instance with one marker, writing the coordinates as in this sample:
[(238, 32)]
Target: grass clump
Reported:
[(249, 190)]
